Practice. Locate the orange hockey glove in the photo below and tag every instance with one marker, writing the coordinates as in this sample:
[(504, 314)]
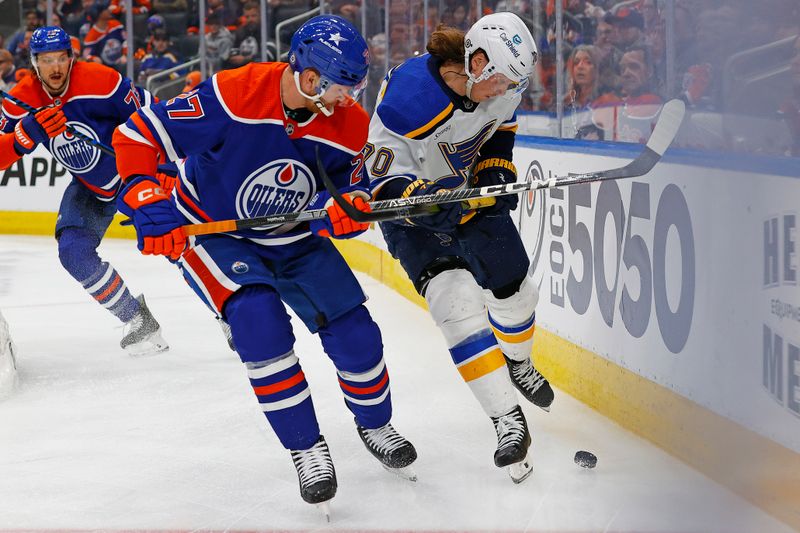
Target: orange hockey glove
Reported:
[(156, 219), (338, 224), (38, 128)]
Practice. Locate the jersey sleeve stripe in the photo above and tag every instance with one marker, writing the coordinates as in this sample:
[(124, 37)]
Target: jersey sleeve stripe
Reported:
[(423, 131), (143, 128), (341, 147), (190, 203), (100, 193), (508, 127), (161, 132), (133, 134), (11, 115)]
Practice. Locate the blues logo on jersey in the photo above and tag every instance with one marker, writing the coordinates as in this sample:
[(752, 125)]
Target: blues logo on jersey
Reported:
[(281, 186), (75, 154)]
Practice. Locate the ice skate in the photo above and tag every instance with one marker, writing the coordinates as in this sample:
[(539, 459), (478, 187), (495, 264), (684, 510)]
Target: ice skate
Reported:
[(528, 381), (316, 475), (513, 440), (390, 448), (142, 334), (226, 330)]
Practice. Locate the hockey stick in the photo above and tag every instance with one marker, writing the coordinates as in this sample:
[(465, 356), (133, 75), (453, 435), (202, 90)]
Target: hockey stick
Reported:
[(669, 121), (85, 138), (223, 226), (396, 208)]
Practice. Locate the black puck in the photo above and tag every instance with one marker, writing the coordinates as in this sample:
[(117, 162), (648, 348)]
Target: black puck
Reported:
[(585, 459)]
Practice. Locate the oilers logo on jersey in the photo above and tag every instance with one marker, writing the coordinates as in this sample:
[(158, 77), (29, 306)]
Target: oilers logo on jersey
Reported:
[(281, 186), (75, 154)]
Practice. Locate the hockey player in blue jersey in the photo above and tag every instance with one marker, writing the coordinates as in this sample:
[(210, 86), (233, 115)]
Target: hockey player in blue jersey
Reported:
[(446, 120), (247, 142), (93, 99)]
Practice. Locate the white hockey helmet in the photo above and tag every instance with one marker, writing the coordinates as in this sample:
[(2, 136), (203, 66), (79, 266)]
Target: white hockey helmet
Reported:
[(508, 44)]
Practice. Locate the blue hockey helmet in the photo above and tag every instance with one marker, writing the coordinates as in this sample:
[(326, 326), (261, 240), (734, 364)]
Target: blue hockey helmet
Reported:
[(333, 47), (49, 39)]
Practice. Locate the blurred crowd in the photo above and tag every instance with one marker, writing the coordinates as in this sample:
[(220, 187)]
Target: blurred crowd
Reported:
[(726, 56)]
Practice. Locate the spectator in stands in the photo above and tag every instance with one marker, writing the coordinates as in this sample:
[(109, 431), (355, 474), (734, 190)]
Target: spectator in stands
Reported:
[(8, 71), (117, 7), (219, 42), (161, 58), (105, 42), (227, 15), (22, 58), (608, 56), (582, 78), (247, 41), (630, 27), (458, 15), (650, 14), (630, 114), (192, 80), (32, 21), (347, 9), (65, 8), (154, 23)]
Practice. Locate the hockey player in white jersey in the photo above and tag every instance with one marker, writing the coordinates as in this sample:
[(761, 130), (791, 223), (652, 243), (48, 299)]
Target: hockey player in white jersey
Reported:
[(446, 120)]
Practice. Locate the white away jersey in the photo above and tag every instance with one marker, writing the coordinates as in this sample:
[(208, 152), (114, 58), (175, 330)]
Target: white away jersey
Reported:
[(422, 129)]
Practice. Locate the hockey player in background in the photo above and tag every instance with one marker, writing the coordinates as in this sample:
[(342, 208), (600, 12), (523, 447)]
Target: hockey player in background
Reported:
[(93, 99), (249, 138), (447, 120)]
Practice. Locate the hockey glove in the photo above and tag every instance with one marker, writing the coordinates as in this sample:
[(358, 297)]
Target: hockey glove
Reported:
[(38, 128), (497, 171), (156, 219), (445, 219), (337, 224)]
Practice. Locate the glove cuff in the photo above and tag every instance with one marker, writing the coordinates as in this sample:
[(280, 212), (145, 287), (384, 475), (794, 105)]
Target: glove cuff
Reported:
[(22, 140), (495, 162)]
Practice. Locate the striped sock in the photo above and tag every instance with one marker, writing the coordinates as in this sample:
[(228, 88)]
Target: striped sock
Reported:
[(480, 362), (285, 398), (367, 395), (516, 340), (107, 287)]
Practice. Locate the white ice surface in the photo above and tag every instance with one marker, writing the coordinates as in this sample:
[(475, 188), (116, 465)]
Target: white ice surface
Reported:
[(93, 439)]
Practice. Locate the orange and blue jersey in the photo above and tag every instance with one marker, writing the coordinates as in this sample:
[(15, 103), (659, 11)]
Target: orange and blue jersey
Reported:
[(97, 99), (239, 154), (109, 44)]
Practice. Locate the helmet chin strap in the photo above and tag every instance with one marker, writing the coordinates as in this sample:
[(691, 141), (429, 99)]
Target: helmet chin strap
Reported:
[(317, 99), (470, 83)]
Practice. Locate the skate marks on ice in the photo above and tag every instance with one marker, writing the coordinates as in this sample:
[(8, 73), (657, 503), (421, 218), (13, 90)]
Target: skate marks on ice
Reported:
[(95, 439)]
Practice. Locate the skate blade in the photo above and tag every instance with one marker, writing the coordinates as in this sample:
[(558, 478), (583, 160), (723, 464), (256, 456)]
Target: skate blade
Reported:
[(519, 472), (406, 472), (152, 345), (325, 508)]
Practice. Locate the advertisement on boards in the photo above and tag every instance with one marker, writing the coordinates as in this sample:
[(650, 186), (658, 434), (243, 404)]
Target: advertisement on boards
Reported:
[(686, 276), (35, 182)]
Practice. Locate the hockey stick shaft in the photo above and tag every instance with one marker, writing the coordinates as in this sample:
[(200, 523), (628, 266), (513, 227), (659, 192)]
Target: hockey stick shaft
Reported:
[(399, 208), (85, 138), (226, 226)]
